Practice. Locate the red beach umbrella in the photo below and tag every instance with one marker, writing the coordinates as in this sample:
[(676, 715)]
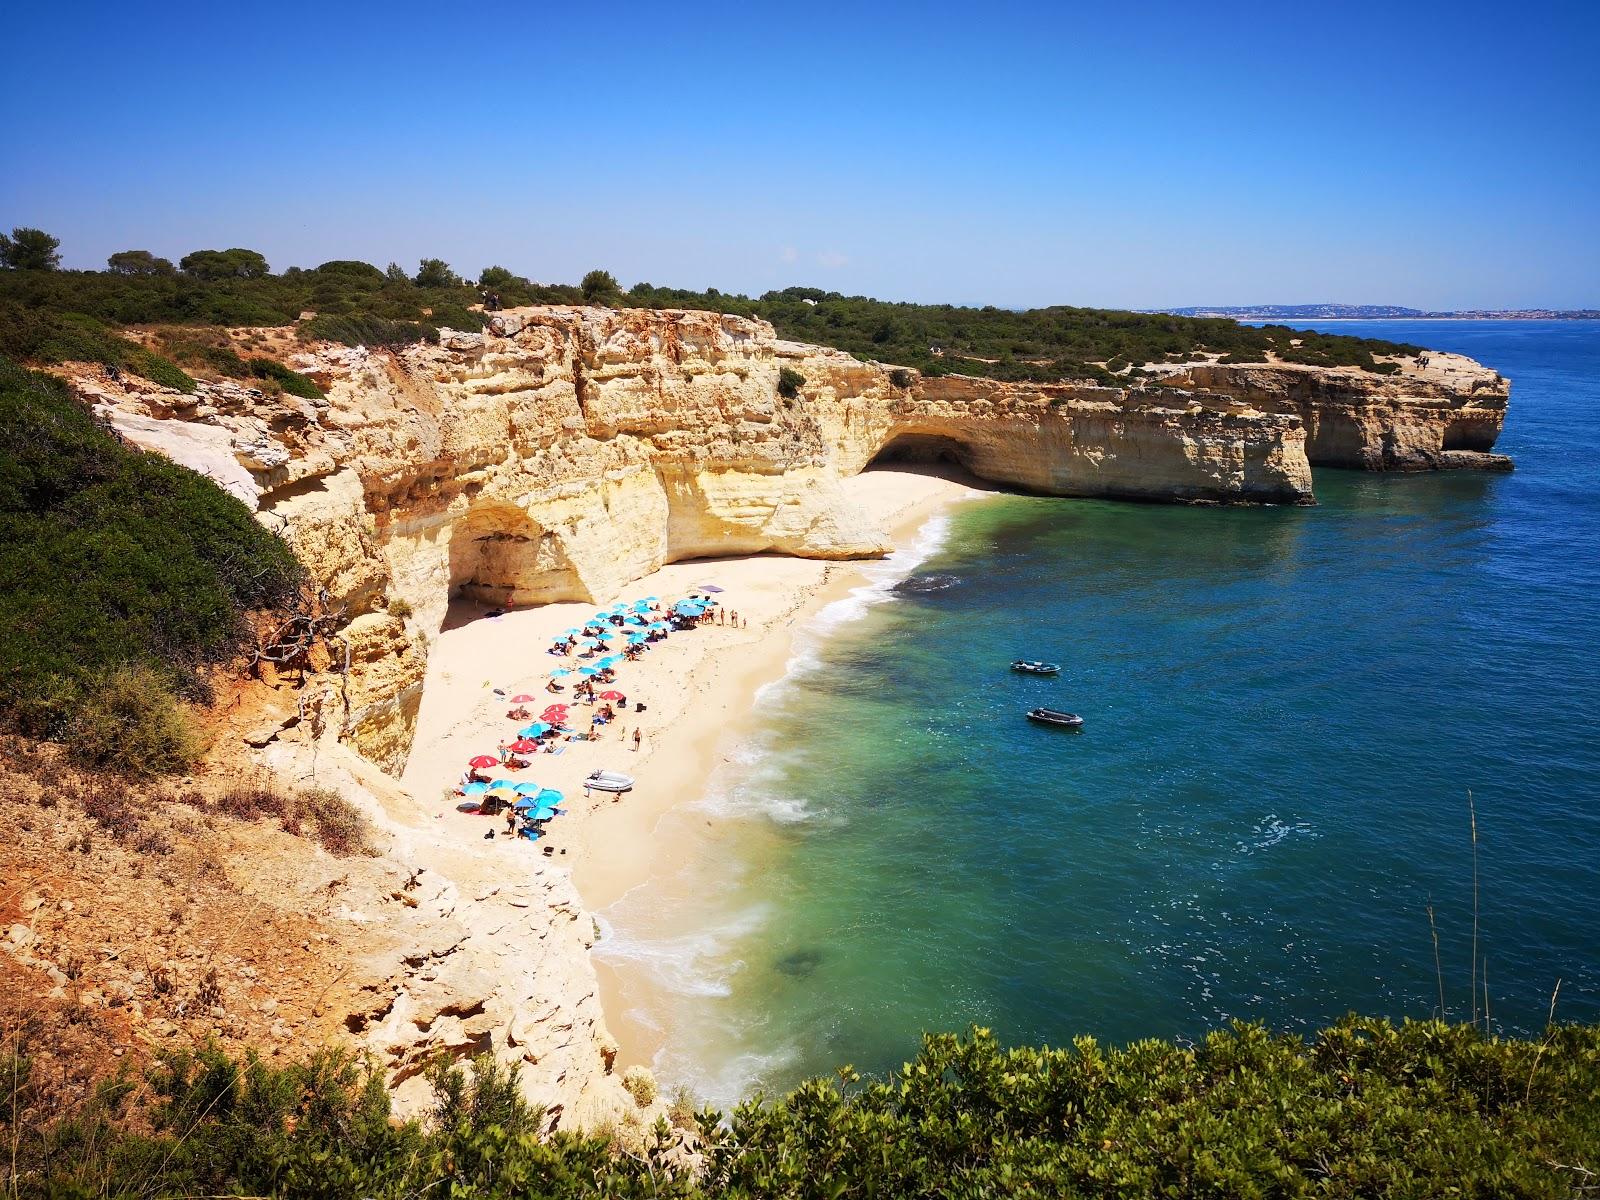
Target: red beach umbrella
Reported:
[(523, 745), (483, 760), (559, 710), (611, 695), (523, 698)]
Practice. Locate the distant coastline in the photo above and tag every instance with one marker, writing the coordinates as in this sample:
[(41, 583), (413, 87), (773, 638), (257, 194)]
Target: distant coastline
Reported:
[(1376, 312)]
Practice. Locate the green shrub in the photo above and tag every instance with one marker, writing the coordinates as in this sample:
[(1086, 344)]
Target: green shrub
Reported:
[(365, 330), (1362, 1109), (902, 378), (129, 722), (790, 382), (157, 369), (291, 381), (639, 1083), (111, 557)]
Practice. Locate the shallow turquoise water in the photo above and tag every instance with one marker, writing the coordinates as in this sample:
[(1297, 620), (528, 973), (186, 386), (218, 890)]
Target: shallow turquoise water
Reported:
[(1285, 709)]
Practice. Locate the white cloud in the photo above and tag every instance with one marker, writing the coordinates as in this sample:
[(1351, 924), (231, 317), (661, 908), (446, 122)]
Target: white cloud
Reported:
[(833, 259)]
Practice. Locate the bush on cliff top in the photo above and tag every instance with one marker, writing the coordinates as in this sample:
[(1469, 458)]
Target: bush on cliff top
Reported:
[(357, 304), (111, 558), (1363, 1109)]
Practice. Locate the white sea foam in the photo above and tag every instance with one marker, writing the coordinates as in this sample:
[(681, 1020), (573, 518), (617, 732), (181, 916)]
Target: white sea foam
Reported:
[(697, 962), (881, 578)]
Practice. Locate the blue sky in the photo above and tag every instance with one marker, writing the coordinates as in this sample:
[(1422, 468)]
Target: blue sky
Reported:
[(1437, 155)]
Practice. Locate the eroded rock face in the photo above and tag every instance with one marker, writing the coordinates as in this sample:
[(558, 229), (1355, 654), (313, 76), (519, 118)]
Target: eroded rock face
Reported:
[(1441, 411), (565, 451)]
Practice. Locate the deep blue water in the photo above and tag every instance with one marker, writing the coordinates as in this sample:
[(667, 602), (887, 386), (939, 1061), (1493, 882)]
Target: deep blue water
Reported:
[(1285, 711)]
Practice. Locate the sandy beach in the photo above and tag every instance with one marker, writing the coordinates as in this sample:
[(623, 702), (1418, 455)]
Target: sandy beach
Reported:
[(697, 689)]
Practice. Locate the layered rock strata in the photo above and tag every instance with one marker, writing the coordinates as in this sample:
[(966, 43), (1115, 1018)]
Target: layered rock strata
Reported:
[(1440, 411)]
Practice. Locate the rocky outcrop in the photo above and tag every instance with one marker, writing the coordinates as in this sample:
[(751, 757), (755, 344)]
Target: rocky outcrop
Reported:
[(562, 452), (1438, 411)]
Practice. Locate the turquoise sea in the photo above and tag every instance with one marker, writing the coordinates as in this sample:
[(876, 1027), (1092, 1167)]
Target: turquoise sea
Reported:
[(1285, 711)]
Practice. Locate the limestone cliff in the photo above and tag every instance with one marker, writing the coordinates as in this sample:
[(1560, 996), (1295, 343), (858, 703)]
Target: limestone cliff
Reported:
[(563, 451), (1437, 411)]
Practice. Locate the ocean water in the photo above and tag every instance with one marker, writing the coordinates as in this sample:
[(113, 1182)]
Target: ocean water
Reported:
[(1285, 711)]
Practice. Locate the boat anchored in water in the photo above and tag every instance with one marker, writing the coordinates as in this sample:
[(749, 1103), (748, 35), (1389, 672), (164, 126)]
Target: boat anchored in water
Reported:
[(1034, 667), (1050, 716)]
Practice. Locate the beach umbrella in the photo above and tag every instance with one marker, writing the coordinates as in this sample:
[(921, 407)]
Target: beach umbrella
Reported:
[(611, 696), (522, 746), (651, 599), (523, 698), (640, 606), (503, 790), (573, 629), (549, 797), (636, 638), (609, 660), (483, 760), (560, 671), (537, 729), (525, 803), (475, 789), (498, 784), (544, 814), (528, 789)]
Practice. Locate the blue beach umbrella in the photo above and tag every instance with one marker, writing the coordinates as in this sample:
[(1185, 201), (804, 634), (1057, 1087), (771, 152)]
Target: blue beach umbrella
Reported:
[(641, 606), (636, 638), (525, 802), (574, 629), (544, 814), (536, 729), (501, 783), (475, 789), (609, 660), (559, 671), (549, 797), (527, 789)]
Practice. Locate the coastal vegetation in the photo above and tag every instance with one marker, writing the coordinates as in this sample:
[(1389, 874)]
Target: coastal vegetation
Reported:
[(358, 304), (122, 576), (1364, 1108)]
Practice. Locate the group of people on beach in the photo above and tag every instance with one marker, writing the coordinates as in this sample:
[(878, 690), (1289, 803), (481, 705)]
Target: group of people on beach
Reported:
[(642, 624)]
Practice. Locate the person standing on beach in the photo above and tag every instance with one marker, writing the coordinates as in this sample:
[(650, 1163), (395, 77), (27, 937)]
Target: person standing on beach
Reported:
[(511, 822), (637, 737)]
